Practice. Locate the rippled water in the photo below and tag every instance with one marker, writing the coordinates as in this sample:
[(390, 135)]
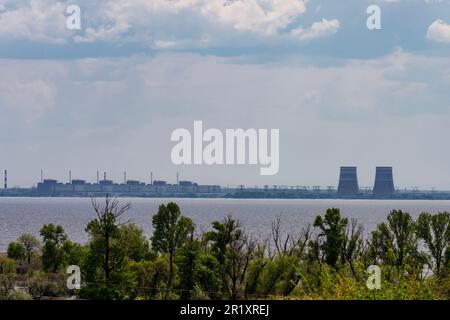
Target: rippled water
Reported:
[(20, 215)]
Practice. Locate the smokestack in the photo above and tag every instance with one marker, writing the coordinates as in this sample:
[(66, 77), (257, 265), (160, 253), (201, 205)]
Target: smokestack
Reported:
[(98, 177), (42, 176), (348, 182), (70, 176), (384, 183), (124, 177), (6, 179), (104, 176), (151, 177), (178, 180)]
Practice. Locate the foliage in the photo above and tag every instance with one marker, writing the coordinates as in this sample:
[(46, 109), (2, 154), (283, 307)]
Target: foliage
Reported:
[(149, 278), (53, 237), (434, 230), (234, 250), (199, 272), (332, 228), (16, 251), (326, 261), (136, 246), (395, 243), (31, 245), (171, 230), (105, 264), (7, 265)]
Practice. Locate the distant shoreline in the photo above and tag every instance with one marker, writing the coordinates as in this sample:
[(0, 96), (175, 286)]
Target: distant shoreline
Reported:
[(223, 197)]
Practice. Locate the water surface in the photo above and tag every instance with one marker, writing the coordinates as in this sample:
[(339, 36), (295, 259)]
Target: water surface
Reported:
[(20, 215)]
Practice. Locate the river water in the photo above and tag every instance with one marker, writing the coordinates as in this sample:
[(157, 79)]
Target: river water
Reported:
[(28, 215)]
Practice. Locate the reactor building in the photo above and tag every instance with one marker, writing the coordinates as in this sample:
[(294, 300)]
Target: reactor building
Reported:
[(134, 188), (348, 183), (384, 183)]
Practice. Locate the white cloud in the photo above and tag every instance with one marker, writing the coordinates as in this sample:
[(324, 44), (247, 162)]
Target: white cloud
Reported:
[(264, 17), (439, 31), (357, 111), (161, 23), (36, 20), (317, 30)]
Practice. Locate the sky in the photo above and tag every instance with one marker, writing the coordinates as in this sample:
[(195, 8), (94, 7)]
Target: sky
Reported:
[(108, 96)]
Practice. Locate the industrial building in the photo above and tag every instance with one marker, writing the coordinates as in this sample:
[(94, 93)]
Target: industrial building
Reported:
[(348, 183), (348, 188), (384, 183), (50, 187)]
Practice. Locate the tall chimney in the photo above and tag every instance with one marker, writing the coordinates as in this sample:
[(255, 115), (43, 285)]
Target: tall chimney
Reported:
[(124, 177), (98, 177), (70, 176), (6, 179), (104, 176), (348, 182), (384, 183), (151, 177)]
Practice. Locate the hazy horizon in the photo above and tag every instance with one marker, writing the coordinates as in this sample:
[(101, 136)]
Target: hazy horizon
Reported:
[(107, 97)]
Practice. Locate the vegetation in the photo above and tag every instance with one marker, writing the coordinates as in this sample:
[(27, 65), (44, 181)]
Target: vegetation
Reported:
[(326, 260)]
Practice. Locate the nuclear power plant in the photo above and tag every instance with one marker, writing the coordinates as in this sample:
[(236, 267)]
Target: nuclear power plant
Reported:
[(348, 183), (348, 188), (384, 183), (383, 187)]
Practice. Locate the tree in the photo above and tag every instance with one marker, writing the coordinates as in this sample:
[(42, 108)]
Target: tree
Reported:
[(434, 230), (332, 228), (352, 246), (53, 232), (16, 251), (31, 245), (52, 251), (149, 278), (199, 274), (234, 250), (7, 282), (74, 253), (137, 247), (7, 265), (395, 243), (170, 232), (187, 260), (105, 263)]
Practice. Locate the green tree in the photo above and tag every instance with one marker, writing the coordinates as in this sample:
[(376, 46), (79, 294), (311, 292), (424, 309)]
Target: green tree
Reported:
[(105, 265), (234, 251), (16, 251), (74, 253), (332, 228), (7, 282), (7, 265), (199, 274), (187, 261), (53, 237), (170, 232), (395, 243), (137, 247), (277, 276), (149, 278), (434, 230), (53, 232), (31, 245), (352, 246)]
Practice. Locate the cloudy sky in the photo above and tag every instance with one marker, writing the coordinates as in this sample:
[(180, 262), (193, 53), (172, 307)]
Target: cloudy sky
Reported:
[(107, 97)]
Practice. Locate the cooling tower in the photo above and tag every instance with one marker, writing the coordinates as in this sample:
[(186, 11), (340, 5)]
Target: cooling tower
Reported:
[(348, 182), (384, 183)]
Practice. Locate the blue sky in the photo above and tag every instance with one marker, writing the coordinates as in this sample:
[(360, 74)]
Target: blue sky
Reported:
[(107, 97)]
